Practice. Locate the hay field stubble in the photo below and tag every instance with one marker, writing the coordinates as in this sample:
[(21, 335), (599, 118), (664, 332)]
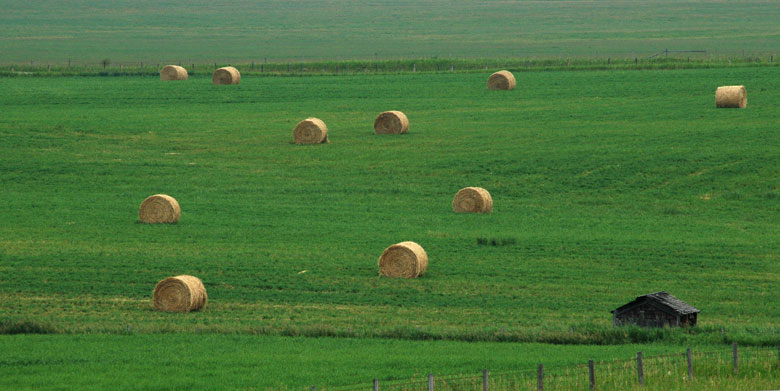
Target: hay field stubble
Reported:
[(606, 185)]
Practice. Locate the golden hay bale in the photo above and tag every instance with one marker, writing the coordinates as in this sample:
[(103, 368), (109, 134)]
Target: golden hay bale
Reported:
[(405, 259), (391, 122), (472, 200), (159, 208), (180, 294), (501, 80), (310, 131), (226, 75), (731, 96), (173, 72)]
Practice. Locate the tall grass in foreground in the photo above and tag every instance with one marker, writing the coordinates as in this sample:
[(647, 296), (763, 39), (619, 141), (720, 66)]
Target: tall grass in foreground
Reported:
[(713, 370)]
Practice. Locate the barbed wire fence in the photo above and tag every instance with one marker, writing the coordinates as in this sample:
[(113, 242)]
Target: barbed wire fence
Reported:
[(338, 65), (607, 374)]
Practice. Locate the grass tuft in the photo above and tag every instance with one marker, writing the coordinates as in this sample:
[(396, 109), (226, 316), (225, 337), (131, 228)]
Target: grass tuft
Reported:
[(24, 326)]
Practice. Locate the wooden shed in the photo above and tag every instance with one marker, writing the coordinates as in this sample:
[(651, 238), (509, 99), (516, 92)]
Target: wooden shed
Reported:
[(657, 309)]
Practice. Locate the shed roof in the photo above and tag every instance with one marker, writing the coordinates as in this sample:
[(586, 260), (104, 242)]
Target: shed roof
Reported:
[(661, 298)]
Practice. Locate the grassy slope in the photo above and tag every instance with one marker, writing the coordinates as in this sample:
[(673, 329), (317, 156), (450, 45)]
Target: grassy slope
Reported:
[(241, 30), (162, 362), (611, 184)]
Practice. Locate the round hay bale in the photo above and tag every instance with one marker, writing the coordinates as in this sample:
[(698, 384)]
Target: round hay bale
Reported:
[(472, 200), (731, 96), (173, 72), (180, 294), (501, 80), (391, 122), (310, 131), (405, 259), (159, 208), (226, 75)]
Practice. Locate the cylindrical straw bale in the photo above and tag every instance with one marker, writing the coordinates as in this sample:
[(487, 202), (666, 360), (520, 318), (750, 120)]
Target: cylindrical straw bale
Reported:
[(180, 294), (501, 80), (472, 200), (159, 208), (405, 259), (173, 72), (310, 131), (731, 96), (226, 75), (391, 122)]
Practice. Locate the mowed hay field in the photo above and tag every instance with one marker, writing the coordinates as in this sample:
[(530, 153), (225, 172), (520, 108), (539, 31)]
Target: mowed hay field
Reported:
[(606, 185)]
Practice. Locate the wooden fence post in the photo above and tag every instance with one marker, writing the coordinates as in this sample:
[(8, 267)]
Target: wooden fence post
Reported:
[(592, 376), (430, 382), (736, 361), (376, 384), (639, 369), (690, 364), (484, 380), (540, 378)]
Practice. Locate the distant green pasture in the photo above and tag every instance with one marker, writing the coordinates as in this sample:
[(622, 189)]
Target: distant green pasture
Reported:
[(203, 31)]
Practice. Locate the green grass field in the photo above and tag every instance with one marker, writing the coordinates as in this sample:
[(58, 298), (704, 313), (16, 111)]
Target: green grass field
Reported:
[(203, 31), (612, 174), (607, 185), (175, 361), (615, 180)]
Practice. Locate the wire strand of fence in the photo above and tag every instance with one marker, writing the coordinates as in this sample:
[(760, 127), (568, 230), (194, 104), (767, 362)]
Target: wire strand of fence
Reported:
[(670, 362)]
